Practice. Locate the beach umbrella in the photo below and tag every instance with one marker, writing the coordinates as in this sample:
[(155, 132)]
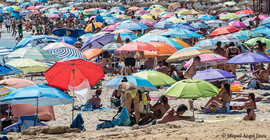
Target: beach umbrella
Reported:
[(4, 91), (199, 25), (97, 42), (230, 3), (69, 39), (192, 12), (91, 53), (261, 29), (110, 27), (37, 95), (173, 6), (163, 49), (122, 31), (33, 53), (64, 52), (112, 20), (148, 22), (237, 24), (206, 18), (124, 36), (192, 89), (54, 16), (131, 26), (58, 45), (137, 46), (28, 65), (176, 20), (156, 6), (161, 39), (216, 23), (134, 8), (249, 58), (181, 42), (265, 21), (182, 33), (188, 53), (223, 31), (156, 78), (139, 82), (212, 75), (184, 26), (226, 38), (111, 46), (240, 36), (16, 83), (247, 11), (156, 11), (208, 60), (229, 16), (182, 11), (25, 12), (248, 33), (207, 44), (163, 24), (6, 69), (254, 40), (90, 26), (261, 17)]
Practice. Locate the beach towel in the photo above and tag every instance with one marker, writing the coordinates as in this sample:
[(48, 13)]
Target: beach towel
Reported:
[(157, 98), (78, 122), (223, 119), (88, 107), (122, 120), (82, 92)]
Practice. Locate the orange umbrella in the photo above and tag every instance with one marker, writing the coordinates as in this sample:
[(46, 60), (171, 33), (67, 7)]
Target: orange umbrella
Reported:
[(147, 54), (181, 42), (91, 53), (89, 27), (173, 6), (134, 8), (163, 49)]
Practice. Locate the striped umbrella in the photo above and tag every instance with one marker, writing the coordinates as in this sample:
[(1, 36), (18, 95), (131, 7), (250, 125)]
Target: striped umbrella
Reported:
[(5, 51), (4, 91), (188, 53), (64, 52), (34, 54)]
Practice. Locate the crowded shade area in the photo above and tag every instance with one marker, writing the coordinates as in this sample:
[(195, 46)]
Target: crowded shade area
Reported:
[(86, 65)]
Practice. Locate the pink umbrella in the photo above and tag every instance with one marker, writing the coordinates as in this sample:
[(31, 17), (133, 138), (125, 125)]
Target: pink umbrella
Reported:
[(148, 22), (92, 17), (209, 59), (111, 27), (168, 15), (260, 16), (54, 16), (122, 31), (38, 7), (237, 24), (222, 13), (58, 45)]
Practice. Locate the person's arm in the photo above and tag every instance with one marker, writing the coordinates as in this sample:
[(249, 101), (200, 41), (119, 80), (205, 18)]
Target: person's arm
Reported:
[(119, 90), (186, 118), (227, 53)]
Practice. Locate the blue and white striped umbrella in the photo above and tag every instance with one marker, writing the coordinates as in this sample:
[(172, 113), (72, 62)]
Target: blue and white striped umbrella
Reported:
[(5, 51), (131, 26), (163, 24), (64, 52)]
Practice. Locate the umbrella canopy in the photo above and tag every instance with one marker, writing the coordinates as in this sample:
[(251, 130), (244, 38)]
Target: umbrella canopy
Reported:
[(206, 18), (182, 33), (192, 89), (139, 82), (187, 53), (63, 73), (261, 17), (163, 49), (261, 30), (124, 36), (111, 46), (161, 39), (265, 21), (8, 70), (156, 78), (97, 42), (216, 23), (137, 46), (163, 24), (91, 53), (148, 22), (229, 16), (28, 65), (156, 11), (223, 31), (208, 59), (184, 26), (16, 83), (64, 52), (89, 28), (46, 96), (247, 11), (58, 45), (131, 26), (237, 24), (193, 12), (254, 40), (4, 91), (249, 57), (226, 38), (34, 54), (213, 75), (181, 42), (207, 44)]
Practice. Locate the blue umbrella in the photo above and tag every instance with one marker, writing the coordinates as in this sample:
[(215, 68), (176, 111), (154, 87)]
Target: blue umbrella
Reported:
[(131, 26), (118, 8), (64, 52), (262, 30), (112, 20), (265, 21), (199, 25), (163, 24), (213, 75), (124, 36), (67, 15), (26, 12), (206, 18), (8, 70), (184, 26), (97, 42), (248, 58), (182, 33), (137, 81), (248, 33), (240, 36), (69, 40), (207, 44)]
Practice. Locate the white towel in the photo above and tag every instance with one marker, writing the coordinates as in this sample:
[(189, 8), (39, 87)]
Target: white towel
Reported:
[(82, 92)]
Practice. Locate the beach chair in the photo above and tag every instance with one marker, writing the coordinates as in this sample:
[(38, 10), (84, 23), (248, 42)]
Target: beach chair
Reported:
[(24, 123), (122, 120), (78, 122)]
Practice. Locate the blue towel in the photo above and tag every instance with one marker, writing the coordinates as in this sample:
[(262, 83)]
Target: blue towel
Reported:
[(88, 107), (78, 122), (122, 120)]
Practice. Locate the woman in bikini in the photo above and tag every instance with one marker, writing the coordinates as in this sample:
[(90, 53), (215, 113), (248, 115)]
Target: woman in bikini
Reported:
[(250, 105), (231, 52)]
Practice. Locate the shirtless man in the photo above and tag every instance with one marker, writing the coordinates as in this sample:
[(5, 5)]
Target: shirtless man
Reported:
[(172, 115), (219, 51), (191, 70), (261, 74), (130, 96), (78, 44), (157, 110), (161, 68), (95, 101)]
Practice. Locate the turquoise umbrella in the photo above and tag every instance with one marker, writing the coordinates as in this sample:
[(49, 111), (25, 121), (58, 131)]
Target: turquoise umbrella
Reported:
[(182, 33), (131, 26)]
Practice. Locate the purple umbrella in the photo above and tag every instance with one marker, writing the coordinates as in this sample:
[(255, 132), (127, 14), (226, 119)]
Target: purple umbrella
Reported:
[(97, 42), (184, 26), (249, 57), (148, 22), (213, 75)]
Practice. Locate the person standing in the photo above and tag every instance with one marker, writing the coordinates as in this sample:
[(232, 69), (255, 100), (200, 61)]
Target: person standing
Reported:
[(8, 22), (1, 20)]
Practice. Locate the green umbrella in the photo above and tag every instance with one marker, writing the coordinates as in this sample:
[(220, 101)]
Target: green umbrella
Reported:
[(229, 16), (28, 65), (254, 40), (156, 78), (230, 3), (192, 89)]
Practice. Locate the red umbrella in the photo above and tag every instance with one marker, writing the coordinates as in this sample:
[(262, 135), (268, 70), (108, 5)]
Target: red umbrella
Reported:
[(223, 31), (137, 46), (73, 72), (245, 12)]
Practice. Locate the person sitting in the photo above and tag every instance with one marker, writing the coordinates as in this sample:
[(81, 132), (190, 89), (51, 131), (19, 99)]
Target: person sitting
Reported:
[(157, 110), (129, 97), (250, 105), (115, 100), (172, 115), (161, 68), (79, 43), (260, 74), (95, 101), (222, 99), (191, 70)]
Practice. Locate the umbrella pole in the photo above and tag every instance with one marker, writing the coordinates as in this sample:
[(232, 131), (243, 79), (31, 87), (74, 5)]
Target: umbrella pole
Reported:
[(73, 95), (37, 114), (31, 76)]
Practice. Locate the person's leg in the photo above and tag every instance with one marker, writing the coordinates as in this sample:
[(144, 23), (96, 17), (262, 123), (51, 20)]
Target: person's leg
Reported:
[(110, 62), (136, 101), (147, 118), (128, 102), (233, 68)]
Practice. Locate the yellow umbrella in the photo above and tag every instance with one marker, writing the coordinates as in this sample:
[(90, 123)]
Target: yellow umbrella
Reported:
[(28, 65), (182, 11), (176, 20), (89, 27), (193, 12), (146, 17), (156, 11), (15, 7)]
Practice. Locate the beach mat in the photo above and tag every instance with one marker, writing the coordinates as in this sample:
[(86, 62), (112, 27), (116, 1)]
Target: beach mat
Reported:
[(157, 98), (90, 108), (223, 119)]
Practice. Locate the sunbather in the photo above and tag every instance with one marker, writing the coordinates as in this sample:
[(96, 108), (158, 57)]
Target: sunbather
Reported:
[(157, 110), (191, 70), (261, 74), (95, 101), (250, 105), (172, 115), (130, 96)]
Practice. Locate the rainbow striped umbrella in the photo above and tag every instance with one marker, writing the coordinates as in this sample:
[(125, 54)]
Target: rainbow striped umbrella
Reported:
[(4, 91), (188, 53)]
